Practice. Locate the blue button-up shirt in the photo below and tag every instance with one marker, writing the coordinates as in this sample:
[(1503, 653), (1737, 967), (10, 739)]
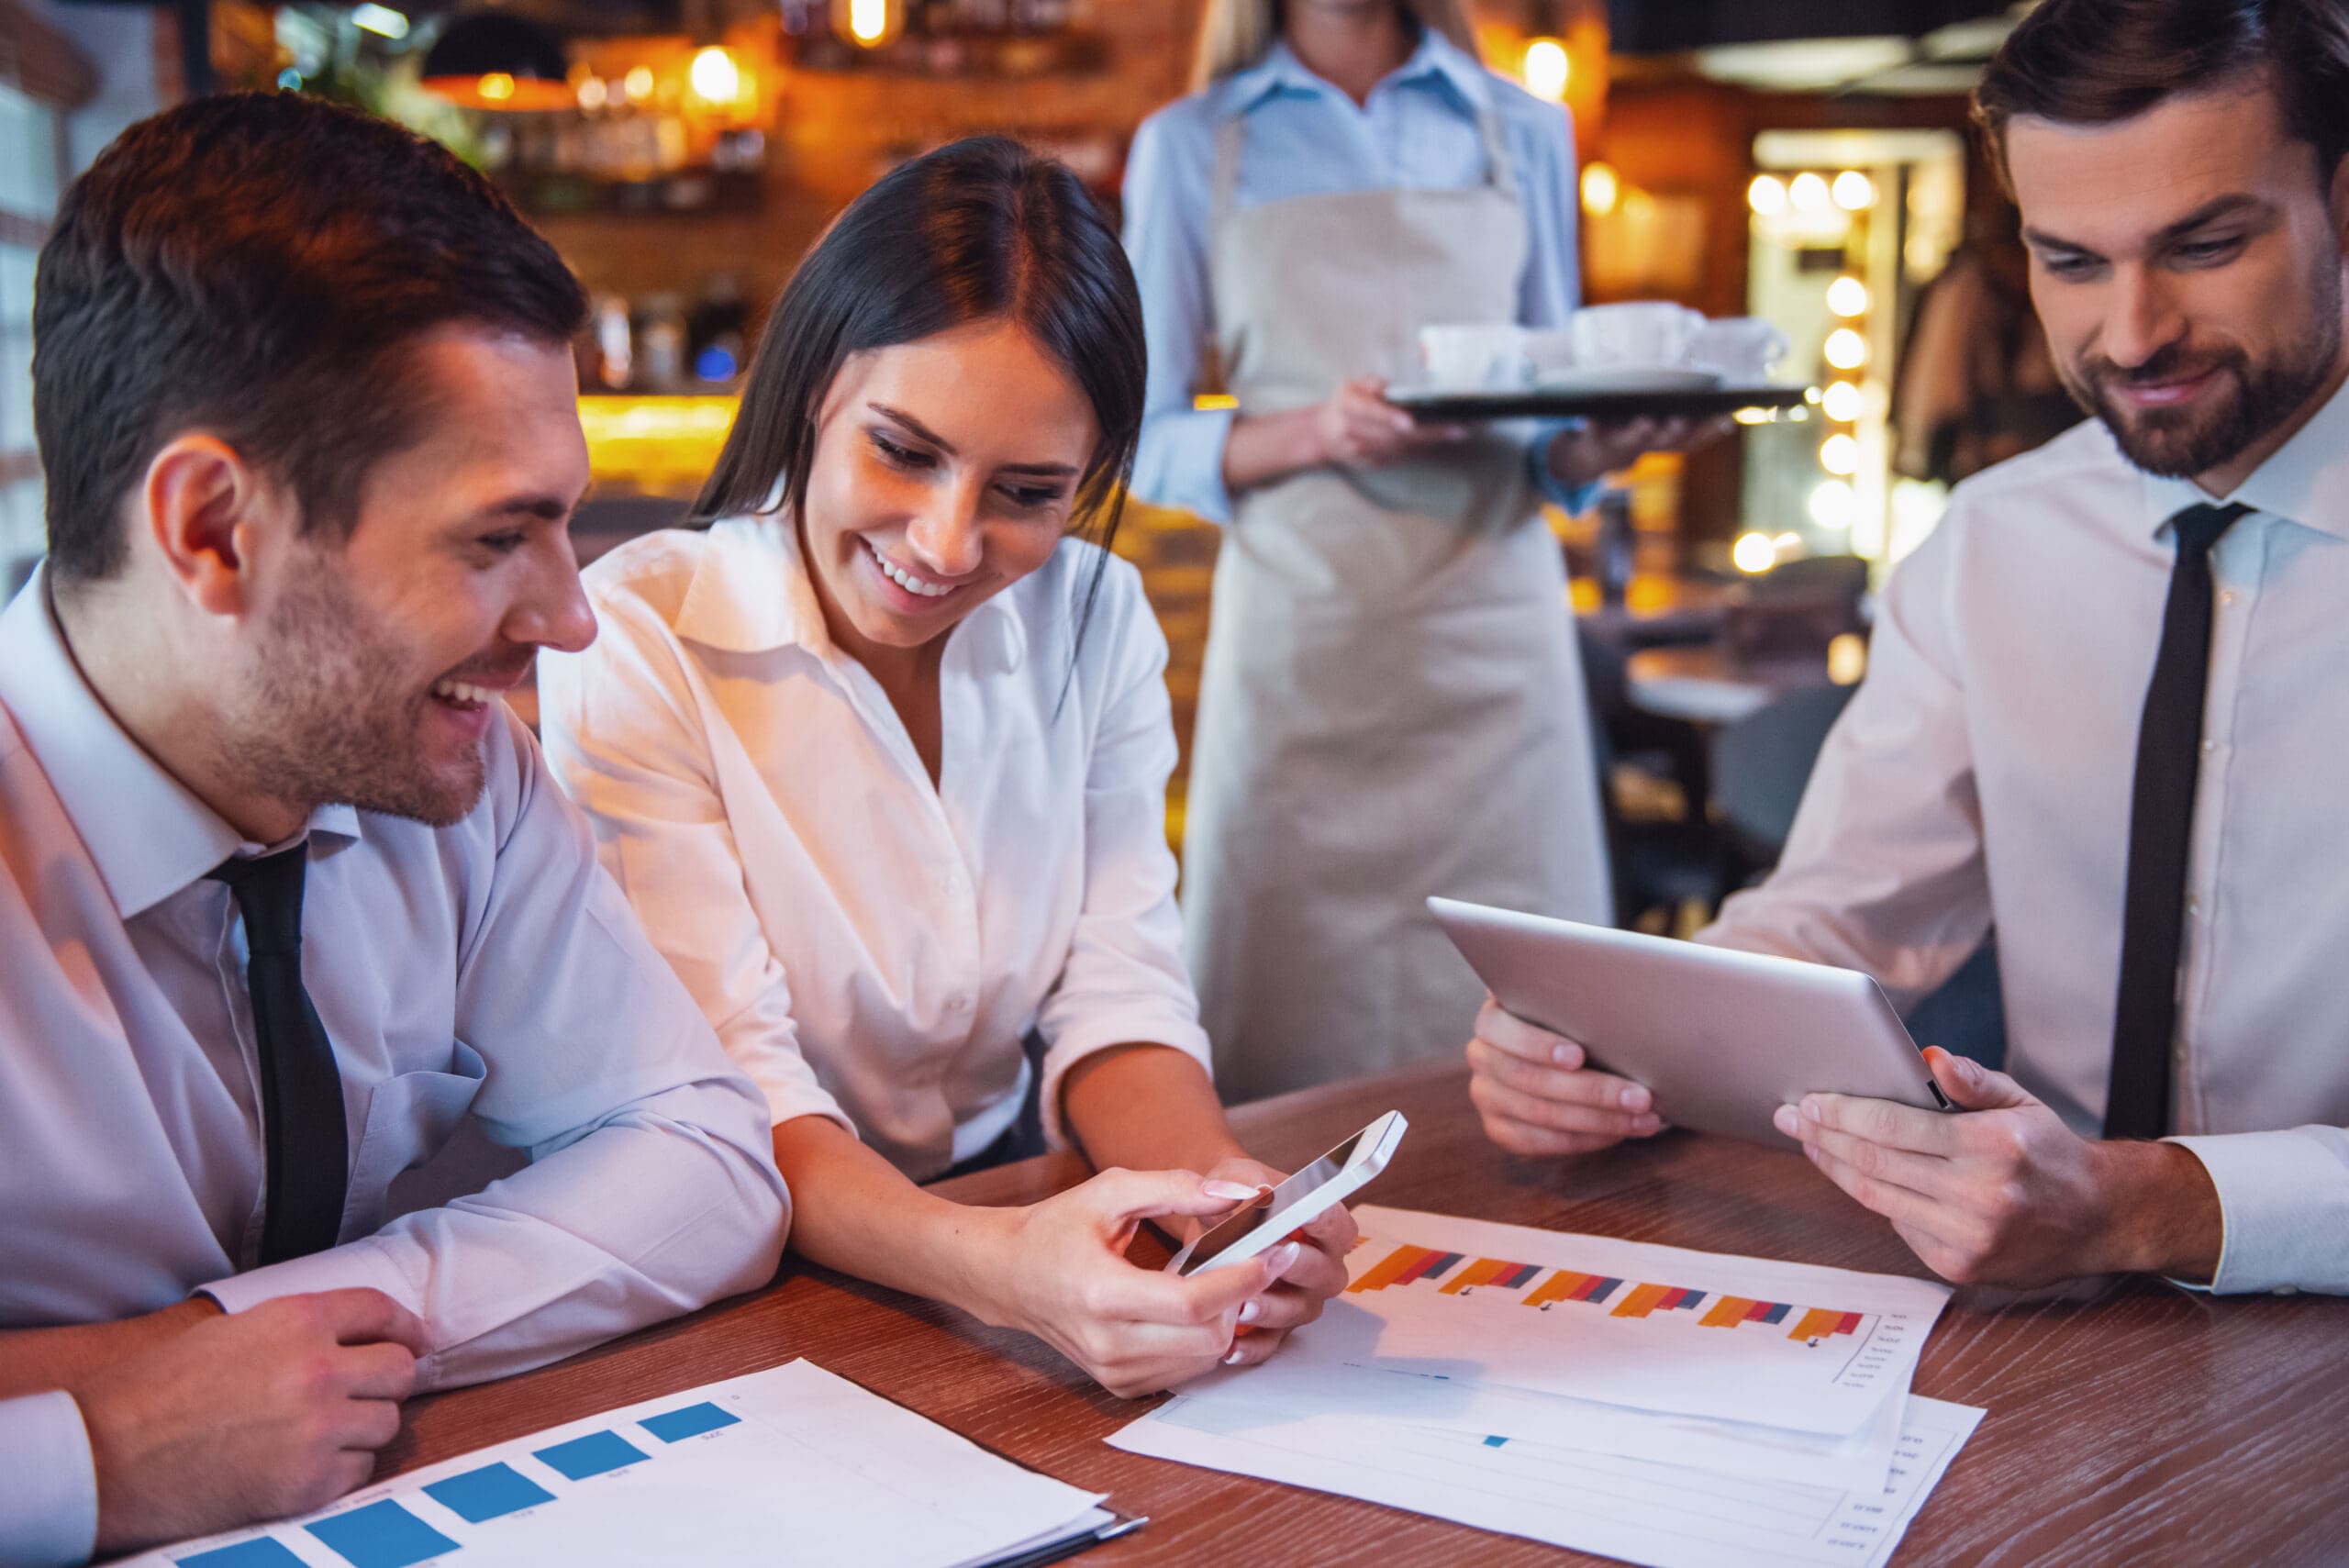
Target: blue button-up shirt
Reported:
[(1306, 137)]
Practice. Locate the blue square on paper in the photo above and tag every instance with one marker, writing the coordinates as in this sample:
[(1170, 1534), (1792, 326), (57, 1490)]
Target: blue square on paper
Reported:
[(591, 1455), (263, 1552), (492, 1492), (382, 1535), (676, 1426)]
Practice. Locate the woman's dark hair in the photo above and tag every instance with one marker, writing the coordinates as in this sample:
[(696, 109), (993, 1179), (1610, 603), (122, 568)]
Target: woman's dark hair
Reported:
[(2101, 62), (259, 265), (979, 230)]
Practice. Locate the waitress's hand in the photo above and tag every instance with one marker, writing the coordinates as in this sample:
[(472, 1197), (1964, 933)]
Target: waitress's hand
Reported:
[(1593, 450), (1059, 1271), (1538, 1094), (1319, 1274), (1358, 427)]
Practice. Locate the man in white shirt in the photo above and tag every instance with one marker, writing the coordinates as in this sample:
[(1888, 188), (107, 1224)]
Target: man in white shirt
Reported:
[(2106, 711), (285, 893)]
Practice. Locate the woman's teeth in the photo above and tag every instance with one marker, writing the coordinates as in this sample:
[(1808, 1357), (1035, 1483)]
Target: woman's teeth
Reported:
[(464, 696), (906, 579)]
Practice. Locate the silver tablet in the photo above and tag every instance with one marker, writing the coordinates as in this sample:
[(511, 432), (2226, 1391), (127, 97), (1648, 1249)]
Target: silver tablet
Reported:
[(1722, 1038)]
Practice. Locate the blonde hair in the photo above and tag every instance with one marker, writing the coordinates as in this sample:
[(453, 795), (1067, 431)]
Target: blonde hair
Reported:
[(1237, 34)]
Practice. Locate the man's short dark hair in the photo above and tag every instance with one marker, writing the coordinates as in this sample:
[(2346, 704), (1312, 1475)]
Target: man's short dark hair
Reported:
[(256, 265), (2086, 63)]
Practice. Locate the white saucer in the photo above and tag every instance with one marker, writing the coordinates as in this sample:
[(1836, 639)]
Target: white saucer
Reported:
[(1628, 378)]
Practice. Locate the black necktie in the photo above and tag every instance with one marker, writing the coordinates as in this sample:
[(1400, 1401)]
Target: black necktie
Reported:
[(306, 1148), (2161, 827)]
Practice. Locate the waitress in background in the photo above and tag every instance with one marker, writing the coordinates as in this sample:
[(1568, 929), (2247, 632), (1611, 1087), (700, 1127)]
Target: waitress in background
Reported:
[(1392, 705)]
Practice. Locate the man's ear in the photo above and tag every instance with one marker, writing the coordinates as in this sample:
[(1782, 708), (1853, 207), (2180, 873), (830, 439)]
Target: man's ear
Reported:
[(207, 510)]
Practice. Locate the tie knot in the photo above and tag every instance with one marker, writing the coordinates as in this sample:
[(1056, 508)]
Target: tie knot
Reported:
[(269, 892), (2198, 527)]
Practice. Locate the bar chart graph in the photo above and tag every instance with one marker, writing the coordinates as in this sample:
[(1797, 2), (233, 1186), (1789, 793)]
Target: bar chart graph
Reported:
[(1406, 1264), (722, 1473)]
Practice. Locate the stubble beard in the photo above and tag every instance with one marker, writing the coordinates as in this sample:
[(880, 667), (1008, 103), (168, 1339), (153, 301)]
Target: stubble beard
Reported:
[(335, 717)]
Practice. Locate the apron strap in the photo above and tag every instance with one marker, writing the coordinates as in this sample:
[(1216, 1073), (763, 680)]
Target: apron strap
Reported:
[(1501, 174), (1230, 136)]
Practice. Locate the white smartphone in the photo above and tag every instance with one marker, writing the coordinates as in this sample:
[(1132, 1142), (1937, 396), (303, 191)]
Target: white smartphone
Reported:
[(1320, 1187)]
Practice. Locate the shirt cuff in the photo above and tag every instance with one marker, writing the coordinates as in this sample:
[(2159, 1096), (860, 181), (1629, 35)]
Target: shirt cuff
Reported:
[(1181, 462), (49, 1483), (1571, 499), (2284, 1206)]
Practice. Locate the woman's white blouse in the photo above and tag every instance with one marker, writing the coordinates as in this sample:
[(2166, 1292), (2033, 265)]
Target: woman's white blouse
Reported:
[(869, 947)]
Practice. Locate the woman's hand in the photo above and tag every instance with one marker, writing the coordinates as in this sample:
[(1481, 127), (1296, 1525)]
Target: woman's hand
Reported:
[(1060, 1272), (1319, 1274), (1357, 426)]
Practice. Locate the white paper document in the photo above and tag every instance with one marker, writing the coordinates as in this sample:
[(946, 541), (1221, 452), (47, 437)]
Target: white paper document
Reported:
[(1664, 1515), (792, 1464), (1788, 1346)]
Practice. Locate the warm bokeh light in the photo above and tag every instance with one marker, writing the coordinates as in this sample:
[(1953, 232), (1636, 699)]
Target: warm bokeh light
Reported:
[(496, 87), (1601, 189), (868, 21), (1753, 553), (1767, 195), (1834, 505), (1846, 349), (638, 84), (1547, 69), (1847, 657), (593, 93), (1809, 194), (1853, 191), (1843, 401), (1840, 453), (1847, 297), (715, 76)]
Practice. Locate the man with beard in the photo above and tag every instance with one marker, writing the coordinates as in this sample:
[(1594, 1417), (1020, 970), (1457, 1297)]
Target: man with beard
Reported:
[(285, 893), (2106, 711)]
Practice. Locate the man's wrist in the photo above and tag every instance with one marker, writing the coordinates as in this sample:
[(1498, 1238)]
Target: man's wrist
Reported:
[(2162, 1212)]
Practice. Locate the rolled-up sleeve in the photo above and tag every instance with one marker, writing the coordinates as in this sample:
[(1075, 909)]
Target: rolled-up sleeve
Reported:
[(1884, 870), (49, 1483), (624, 738), (1180, 462), (651, 1189), (2283, 1197), (1124, 981)]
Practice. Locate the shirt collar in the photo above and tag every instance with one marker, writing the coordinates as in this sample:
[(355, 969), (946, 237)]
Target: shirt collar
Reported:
[(731, 603), (146, 832), (1436, 58), (2306, 481)]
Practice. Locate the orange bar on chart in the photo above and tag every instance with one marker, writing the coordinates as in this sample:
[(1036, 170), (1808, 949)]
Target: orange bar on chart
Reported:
[(1394, 1266), (1559, 1286), (1483, 1271), (1816, 1324), (1727, 1313), (1641, 1301)]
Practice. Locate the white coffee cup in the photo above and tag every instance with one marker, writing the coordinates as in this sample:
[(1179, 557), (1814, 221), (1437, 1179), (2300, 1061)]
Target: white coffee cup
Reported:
[(1644, 333), (1474, 357), (1744, 350)]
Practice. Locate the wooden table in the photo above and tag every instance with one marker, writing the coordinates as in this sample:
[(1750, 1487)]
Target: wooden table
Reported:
[(2129, 1422)]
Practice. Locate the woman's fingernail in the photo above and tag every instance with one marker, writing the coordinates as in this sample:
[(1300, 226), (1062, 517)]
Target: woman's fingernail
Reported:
[(1283, 1255), (1634, 1097), (1233, 1358), (1810, 1111), (1250, 1310), (1565, 1056), (1783, 1119), (1230, 1192)]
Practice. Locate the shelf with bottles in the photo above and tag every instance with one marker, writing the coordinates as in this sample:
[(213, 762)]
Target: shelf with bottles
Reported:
[(996, 38)]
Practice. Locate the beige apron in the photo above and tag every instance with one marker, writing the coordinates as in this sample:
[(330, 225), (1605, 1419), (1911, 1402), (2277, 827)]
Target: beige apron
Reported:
[(1392, 705)]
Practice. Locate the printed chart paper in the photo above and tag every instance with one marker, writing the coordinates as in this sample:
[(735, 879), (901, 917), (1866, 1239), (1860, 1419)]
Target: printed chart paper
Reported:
[(1664, 1515), (1791, 1346), (792, 1464)]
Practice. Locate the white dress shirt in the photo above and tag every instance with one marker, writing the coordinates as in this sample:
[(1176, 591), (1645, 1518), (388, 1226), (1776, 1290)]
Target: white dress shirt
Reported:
[(1982, 776), (489, 969), (871, 947)]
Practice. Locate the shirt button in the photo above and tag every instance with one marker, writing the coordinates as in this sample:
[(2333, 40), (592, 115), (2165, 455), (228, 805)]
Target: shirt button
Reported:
[(2209, 747), (2178, 1054), (959, 1003), (2228, 597), (2194, 905)]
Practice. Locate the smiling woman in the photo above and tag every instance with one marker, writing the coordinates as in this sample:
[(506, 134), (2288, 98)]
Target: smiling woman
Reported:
[(880, 755)]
